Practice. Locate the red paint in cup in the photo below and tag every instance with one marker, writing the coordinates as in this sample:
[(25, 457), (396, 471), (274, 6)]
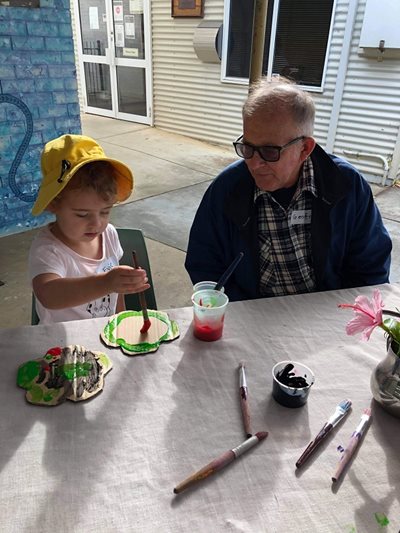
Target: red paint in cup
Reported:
[(206, 332), (209, 308)]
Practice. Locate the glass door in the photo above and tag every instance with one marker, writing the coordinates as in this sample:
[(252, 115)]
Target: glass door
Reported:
[(114, 58)]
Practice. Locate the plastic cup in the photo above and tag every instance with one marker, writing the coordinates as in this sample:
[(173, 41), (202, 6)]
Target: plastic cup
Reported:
[(209, 308), (292, 396), (203, 285)]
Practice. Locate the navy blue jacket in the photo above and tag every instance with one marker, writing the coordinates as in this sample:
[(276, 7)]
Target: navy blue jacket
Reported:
[(350, 245)]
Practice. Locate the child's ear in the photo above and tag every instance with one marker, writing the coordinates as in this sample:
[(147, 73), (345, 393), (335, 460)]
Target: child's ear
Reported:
[(52, 206)]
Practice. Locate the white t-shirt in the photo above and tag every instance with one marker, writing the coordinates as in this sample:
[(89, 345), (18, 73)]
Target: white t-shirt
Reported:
[(49, 255)]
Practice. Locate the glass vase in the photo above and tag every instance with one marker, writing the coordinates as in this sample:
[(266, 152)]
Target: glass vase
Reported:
[(385, 381)]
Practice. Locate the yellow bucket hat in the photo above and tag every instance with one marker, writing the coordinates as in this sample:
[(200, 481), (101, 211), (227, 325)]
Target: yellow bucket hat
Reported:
[(63, 157)]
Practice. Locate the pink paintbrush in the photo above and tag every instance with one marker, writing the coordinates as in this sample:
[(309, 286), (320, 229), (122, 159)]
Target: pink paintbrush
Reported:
[(142, 300)]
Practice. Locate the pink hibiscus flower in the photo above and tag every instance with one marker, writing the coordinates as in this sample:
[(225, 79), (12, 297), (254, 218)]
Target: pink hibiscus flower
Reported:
[(368, 315)]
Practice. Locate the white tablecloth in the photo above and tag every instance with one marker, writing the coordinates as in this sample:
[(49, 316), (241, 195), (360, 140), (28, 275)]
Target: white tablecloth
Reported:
[(111, 463)]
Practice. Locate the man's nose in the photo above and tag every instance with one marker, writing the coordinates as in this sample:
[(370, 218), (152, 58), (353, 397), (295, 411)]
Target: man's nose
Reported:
[(256, 160)]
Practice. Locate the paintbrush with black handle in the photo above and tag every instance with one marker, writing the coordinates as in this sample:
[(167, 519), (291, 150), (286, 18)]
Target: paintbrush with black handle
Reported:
[(142, 300)]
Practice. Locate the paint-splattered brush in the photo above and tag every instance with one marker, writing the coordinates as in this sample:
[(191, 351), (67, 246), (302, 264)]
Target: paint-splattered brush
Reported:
[(244, 399), (340, 412), (347, 453), (142, 300)]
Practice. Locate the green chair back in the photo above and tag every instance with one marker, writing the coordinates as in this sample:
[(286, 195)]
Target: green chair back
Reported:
[(34, 315), (133, 239), (130, 239)]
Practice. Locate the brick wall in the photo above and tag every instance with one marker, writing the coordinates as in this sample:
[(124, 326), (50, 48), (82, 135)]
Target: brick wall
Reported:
[(38, 102)]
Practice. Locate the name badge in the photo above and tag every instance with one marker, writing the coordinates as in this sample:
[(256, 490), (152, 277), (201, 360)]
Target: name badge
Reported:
[(107, 264), (301, 216)]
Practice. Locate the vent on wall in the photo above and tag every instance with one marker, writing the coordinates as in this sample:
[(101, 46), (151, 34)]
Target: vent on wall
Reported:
[(207, 41)]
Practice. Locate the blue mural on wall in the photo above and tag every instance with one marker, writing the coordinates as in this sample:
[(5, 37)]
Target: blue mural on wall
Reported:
[(19, 166), (38, 102), (12, 182)]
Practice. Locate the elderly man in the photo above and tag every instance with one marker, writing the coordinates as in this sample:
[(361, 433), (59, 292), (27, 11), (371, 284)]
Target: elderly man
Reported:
[(305, 220)]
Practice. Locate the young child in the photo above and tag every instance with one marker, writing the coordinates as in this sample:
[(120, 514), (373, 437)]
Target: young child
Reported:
[(74, 261)]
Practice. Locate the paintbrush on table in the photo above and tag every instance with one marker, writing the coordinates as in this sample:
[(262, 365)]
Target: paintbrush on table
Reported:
[(142, 300), (244, 400), (221, 461)]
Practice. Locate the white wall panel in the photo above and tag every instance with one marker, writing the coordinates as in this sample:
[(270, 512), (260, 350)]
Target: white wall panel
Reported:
[(369, 118)]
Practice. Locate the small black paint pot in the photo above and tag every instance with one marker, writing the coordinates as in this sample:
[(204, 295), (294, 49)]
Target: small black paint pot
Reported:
[(291, 396)]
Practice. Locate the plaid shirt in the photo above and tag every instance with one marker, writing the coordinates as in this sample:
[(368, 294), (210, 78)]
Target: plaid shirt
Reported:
[(285, 258)]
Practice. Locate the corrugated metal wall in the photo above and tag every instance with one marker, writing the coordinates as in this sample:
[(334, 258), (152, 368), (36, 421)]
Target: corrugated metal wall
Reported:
[(369, 118), (189, 97)]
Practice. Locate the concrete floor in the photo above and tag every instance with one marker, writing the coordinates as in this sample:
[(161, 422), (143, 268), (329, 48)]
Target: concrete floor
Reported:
[(171, 175)]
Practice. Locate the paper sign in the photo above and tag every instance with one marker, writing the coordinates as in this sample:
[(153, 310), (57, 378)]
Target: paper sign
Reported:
[(118, 13), (131, 52), (136, 6), (129, 26), (119, 35), (93, 18)]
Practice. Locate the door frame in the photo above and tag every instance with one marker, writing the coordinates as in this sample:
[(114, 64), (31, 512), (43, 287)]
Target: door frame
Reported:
[(112, 61)]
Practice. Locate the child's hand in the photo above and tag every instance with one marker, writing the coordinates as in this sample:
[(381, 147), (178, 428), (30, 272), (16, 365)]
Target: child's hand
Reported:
[(124, 279)]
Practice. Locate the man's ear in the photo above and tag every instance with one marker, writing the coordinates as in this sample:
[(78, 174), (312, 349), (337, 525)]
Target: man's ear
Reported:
[(308, 146)]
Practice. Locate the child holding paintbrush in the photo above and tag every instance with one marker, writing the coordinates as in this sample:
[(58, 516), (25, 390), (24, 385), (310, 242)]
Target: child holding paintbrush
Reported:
[(74, 261)]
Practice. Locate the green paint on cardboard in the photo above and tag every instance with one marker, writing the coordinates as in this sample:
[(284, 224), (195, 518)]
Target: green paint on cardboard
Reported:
[(36, 393), (104, 360), (381, 519), (74, 370), (48, 397), (109, 334), (27, 373)]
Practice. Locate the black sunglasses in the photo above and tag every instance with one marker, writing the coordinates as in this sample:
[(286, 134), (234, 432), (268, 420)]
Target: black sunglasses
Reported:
[(269, 153)]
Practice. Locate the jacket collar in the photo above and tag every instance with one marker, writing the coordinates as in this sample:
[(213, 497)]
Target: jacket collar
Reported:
[(239, 206), (330, 183)]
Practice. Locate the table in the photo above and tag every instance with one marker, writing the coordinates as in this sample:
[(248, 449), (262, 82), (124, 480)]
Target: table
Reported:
[(111, 463)]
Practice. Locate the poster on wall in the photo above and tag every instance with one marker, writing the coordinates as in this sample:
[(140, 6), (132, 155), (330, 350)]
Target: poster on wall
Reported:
[(187, 8)]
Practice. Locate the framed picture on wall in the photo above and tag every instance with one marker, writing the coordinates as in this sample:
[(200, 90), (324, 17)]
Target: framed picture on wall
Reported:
[(187, 8)]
